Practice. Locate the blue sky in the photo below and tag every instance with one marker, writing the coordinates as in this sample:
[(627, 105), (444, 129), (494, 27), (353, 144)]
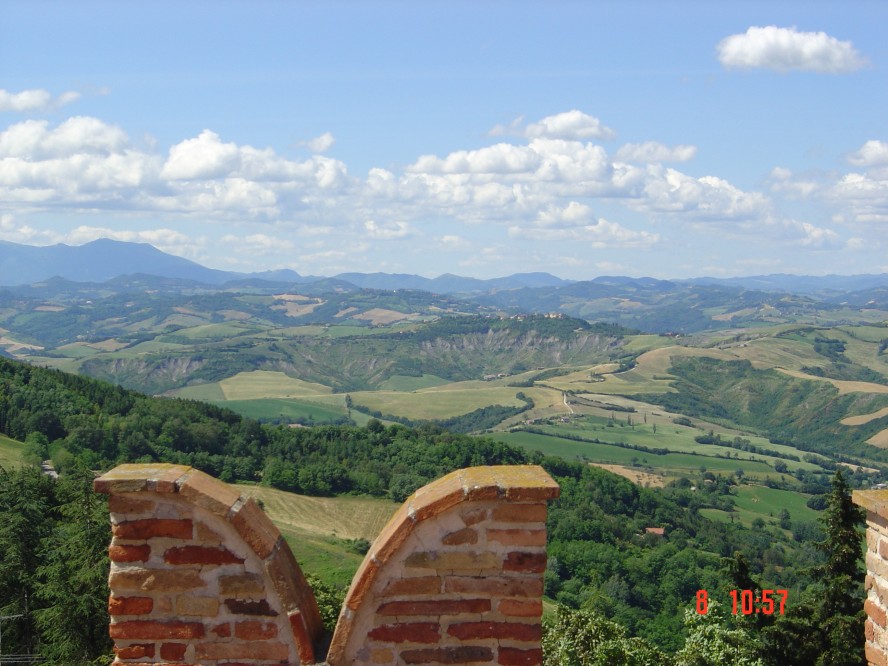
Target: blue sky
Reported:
[(670, 139)]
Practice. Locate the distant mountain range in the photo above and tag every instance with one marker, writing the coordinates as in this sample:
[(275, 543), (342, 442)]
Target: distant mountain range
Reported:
[(105, 260)]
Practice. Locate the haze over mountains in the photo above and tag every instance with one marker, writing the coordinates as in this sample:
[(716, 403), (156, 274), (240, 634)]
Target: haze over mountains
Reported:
[(105, 259)]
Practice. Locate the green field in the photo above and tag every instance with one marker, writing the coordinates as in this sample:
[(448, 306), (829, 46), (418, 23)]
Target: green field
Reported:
[(272, 409), (317, 528), (11, 452), (437, 403), (754, 501), (405, 383), (267, 384)]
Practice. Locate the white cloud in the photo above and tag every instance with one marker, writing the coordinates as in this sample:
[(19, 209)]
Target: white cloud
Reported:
[(34, 100), (872, 153), (320, 144), (572, 124), (202, 157), (387, 231), (787, 49), (651, 152)]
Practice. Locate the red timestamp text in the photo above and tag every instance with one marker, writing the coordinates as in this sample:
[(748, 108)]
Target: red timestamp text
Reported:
[(748, 602)]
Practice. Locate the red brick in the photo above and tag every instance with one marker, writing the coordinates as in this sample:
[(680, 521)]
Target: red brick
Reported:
[(201, 555), (302, 637), (206, 492), (883, 549), (130, 605), (129, 553), (135, 651), (129, 504), (473, 516), (139, 530), (222, 630), (494, 586), (413, 632), (464, 654), (152, 629), (525, 562), (521, 608), (294, 591), (247, 607), (876, 613), (460, 537), (869, 630), (435, 607), (253, 651), (499, 630), (155, 580), (255, 527), (453, 560), (254, 630), (520, 513), (518, 537), (412, 586), (515, 657), (173, 651)]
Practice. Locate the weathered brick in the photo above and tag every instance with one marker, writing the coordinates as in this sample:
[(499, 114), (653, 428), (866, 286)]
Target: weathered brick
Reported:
[(474, 515), (869, 630), (222, 630), (254, 650), (208, 493), (434, 607), (876, 613), (413, 632), (525, 562), (452, 561), (514, 657), (412, 586), (155, 580), (148, 528), (302, 637), (139, 553), (131, 478), (206, 535), (517, 537), (292, 588), (883, 549), (460, 537), (494, 586), (241, 584), (463, 654), (250, 607), (499, 630), (135, 651), (254, 527), (130, 605), (875, 655), (520, 513), (254, 630), (136, 629), (173, 651), (129, 504), (199, 606), (382, 656), (201, 555), (521, 607)]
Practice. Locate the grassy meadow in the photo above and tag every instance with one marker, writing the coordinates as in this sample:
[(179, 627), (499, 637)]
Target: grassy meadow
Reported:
[(11, 452)]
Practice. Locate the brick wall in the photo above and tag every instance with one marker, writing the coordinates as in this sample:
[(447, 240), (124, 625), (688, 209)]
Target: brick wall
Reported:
[(876, 605), (200, 576)]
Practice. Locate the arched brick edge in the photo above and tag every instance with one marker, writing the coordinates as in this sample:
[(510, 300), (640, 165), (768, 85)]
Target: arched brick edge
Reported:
[(455, 577), (200, 575), (876, 605)]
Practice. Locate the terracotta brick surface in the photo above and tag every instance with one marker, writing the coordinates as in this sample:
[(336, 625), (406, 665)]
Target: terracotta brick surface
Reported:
[(303, 638), (201, 555), (241, 584), (434, 607), (159, 477), (412, 632), (498, 630), (249, 607), (474, 516), (135, 651), (129, 504), (419, 585), (460, 537), (254, 630), (515, 657), (494, 586), (130, 605), (521, 607), (149, 528), (520, 513), (254, 527), (876, 613), (254, 650), (294, 591), (208, 493), (453, 560), (173, 651), (517, 537), (153, 629), (187, 604), (151, 580), (464, 654), (875, 655), (222, 630), (525, 562), (139, 553)]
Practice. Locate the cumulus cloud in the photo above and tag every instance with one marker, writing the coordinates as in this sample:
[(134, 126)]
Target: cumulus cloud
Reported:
[(651, 152), (320, 144), (787, 49), (872, 153), (572, 124), (205, 156), (386, 231), (34, 100)]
